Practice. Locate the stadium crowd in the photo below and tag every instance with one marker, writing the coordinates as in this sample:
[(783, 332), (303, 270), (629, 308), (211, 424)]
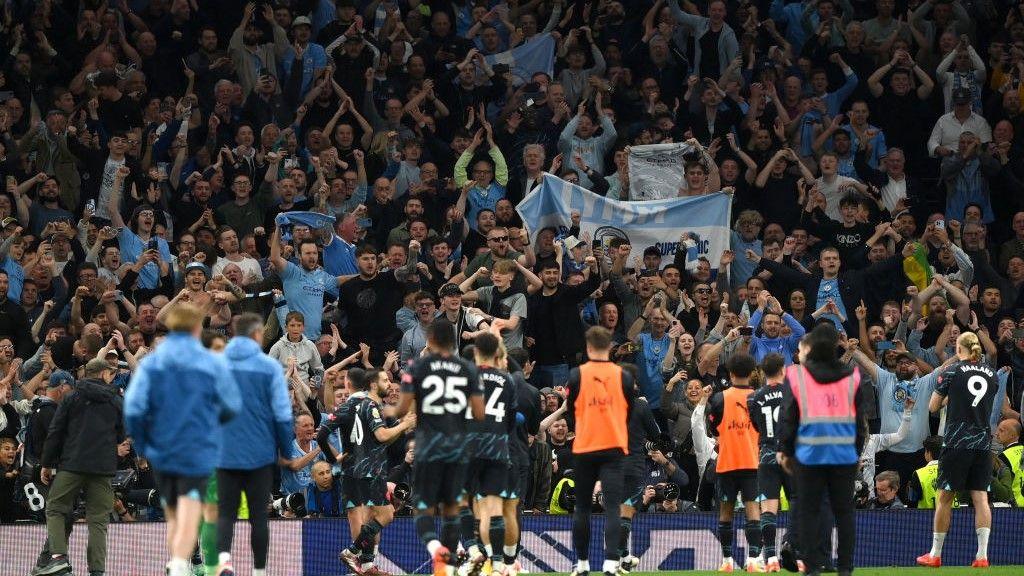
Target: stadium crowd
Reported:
[(349, 170)]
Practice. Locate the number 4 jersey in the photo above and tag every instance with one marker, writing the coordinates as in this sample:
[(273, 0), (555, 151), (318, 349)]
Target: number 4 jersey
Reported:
[(489, 438), (442, 386), (971, 390)]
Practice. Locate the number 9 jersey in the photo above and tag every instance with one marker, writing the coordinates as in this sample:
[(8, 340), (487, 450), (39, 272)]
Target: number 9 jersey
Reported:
[(971, 390), (442, 387)]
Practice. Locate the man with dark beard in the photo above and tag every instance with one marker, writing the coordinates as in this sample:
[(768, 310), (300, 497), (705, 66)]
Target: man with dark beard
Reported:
[(249, 54)]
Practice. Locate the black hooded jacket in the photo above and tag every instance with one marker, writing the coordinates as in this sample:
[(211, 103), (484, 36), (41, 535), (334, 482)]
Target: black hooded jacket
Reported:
[(85, 431), (789, 415)]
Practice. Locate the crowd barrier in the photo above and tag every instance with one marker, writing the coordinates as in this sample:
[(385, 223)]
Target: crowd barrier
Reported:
[(663, 541)]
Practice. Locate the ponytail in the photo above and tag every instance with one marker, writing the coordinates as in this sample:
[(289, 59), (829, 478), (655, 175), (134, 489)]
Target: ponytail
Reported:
[(969, 342)]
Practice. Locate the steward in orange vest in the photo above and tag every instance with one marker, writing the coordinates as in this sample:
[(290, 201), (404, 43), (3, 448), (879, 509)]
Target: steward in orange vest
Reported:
[(599, 401), (738, 457)]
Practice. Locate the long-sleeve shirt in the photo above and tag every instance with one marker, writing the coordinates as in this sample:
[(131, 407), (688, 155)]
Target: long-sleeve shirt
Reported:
[(728, 47), (575, 82), (761, 346), (878, 442), (948, 128), (833, 104), (592, 150), (480, 197)]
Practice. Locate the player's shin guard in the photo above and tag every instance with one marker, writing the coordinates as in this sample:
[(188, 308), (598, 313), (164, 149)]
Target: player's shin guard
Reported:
[(752, 530), (625, 525), (468, 525), (367, 537), (450, 536), (768, 527), (497, 534), (725, 538), (208, 546), (426, 529)]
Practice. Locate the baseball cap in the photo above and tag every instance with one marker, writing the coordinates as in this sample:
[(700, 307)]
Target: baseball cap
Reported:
[(113, 352), (198, 266), (60, 378), (8, 221), (572, 242), (547, 390), (962, 96), (302, 21), (95, 366), (903, 354), (449, 290)]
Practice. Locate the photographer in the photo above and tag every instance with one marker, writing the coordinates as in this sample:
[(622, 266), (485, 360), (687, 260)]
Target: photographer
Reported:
[(665, 478), (887, 486), (82, 444)]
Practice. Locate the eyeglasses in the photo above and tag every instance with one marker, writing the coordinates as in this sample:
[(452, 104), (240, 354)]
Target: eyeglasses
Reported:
[(243, 183), (424, 304), (6, 347), (498, 239), (703, 290)]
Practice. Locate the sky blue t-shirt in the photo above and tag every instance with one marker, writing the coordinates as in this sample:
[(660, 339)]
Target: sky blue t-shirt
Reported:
[(340, 257), (892, 395), (132, 247), (830, 289), (15, 278), (296, 481), (304, 290), (650, 359)]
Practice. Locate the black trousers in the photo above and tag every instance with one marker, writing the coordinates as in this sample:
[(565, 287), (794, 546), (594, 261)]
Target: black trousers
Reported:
[(813, 483), (589, 468), (256, 485)]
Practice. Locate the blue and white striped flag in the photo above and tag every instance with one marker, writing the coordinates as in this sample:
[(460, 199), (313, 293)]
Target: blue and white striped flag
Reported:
[(656, 223), (525, 60)]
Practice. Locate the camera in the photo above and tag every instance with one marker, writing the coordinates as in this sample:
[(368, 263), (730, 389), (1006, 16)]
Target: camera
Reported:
[(666, 447), (293, 503), (152, 244), (861, 493), (746, 330), (665, 491), (133, 498)]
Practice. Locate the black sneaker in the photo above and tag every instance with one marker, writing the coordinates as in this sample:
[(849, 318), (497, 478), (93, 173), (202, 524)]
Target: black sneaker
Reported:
[(54, 566), (787, 558)]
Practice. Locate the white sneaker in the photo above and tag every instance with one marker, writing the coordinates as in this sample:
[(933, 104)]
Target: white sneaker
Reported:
[(753, 565), (628, 563)]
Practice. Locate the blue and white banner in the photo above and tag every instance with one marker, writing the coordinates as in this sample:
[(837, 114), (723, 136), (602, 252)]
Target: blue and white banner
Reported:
[(656, 223), (656, 170), (525, 60)]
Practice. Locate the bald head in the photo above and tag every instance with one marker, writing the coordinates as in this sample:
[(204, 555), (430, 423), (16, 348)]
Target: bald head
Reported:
[(1008, 431)]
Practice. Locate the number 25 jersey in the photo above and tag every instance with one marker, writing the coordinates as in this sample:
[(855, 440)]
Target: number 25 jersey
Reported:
[(442, 386)]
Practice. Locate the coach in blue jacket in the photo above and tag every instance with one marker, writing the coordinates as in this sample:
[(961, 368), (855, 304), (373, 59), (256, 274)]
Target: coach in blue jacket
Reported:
[(252, 441), (176, 402)]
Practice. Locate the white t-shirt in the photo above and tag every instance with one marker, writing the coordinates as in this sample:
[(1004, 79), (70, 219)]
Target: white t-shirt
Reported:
[(247, 264)]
